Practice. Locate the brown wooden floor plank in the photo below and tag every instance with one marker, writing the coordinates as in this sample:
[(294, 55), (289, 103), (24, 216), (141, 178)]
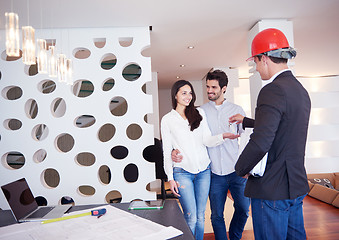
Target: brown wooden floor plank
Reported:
[(321, 222)]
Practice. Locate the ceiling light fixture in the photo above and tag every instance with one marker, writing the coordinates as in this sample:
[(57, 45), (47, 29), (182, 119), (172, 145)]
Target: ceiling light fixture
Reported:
[(53, 61), (42, 56), (28, 42), (182, 65), (41, 50), (28, 45), (178, 77), (69, 71), (62, 69), (190, 47), (12, 34)]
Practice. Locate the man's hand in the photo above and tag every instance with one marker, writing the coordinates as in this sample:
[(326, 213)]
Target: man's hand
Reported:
[(174, 188), (246, 176), (238, 118), (176, 156)]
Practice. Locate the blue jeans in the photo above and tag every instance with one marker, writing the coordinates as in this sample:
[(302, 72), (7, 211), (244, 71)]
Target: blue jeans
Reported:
[(193, 190), (280, 219), (218, 193)]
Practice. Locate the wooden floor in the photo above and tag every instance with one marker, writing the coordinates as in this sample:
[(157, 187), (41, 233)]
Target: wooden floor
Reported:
[(321, 222)]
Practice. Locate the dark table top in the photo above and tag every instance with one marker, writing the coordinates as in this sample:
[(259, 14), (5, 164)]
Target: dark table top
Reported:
[(170, 215)]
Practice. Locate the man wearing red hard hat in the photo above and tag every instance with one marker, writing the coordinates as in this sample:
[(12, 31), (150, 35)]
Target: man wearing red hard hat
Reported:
[(280, 129)]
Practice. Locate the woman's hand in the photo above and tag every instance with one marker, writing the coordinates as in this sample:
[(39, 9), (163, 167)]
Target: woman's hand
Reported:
[(174, 188), (230, 135)]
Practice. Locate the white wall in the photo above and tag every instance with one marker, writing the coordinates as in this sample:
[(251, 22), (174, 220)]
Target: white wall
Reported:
[(165, 103), (153, 118), (322, 152)]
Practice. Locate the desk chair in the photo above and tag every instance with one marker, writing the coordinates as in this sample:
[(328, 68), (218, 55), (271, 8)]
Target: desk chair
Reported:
[(154, 153)]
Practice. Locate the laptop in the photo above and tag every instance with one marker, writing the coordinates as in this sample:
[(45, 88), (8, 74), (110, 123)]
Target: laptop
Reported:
[(23, 205)]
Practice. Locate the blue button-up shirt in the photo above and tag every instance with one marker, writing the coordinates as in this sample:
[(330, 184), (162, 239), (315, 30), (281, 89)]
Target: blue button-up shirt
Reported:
[(223, 157)]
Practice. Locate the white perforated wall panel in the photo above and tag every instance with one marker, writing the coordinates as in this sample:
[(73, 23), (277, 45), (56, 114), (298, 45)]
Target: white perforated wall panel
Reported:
[(63, 131)]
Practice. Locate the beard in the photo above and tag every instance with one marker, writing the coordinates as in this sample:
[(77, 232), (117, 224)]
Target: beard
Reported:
[(213, 97)]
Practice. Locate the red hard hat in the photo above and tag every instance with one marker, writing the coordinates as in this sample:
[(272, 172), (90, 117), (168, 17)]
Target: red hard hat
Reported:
[(268, 40)]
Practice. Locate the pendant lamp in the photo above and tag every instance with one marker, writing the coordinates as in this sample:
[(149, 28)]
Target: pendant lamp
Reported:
[(12, 34), (42, 55), (28, 45)]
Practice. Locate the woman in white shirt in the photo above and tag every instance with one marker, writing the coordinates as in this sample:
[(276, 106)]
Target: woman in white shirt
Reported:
[(185, 128)]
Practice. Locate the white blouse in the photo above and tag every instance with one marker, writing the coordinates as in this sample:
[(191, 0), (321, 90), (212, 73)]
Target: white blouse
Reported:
[(176, 134)]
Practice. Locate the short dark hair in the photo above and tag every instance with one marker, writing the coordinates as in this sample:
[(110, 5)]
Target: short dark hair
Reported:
[(218, 75), (273, 59)]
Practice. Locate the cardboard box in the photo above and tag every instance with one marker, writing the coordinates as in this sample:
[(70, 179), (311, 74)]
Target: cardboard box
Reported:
[(324, 186)]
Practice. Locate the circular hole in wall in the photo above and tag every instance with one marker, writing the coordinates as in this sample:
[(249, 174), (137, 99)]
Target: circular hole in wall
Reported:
[(108, 84), (113, 197), (64, 142), (31, 108), (13, 160), (108, 61), (125, 41), (85, 159), (146, 51), (67, 200), (119, 152), (106, 132), (46, 86), (39, 156), (51, 177), (118, 106), (144, 88), (5, 57), (104, 174), (153, 153), (12, 124), (58, 107), (99, 42), (82, 88), (40, 132), (134, 131), (86, 190), (41, 201), (84, 121), (153, 183), (131, 173), (31, 70), (11, 92), (131, 72), (81, 53), (146, 118)]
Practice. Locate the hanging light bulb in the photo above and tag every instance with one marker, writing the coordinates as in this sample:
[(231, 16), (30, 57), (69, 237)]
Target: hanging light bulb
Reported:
[(12, 34), (28, 45), (42, 55), (62, 67), (52, 63), (69, 68)]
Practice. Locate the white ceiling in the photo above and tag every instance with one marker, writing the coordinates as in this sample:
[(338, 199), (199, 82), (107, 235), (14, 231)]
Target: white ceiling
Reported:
[(216, 28)]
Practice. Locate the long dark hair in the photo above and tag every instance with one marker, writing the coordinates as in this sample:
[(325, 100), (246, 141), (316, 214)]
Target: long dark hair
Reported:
[(192, 114)]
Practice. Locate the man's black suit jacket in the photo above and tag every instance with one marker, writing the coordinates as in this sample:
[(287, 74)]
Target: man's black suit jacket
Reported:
[(280, 128)]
